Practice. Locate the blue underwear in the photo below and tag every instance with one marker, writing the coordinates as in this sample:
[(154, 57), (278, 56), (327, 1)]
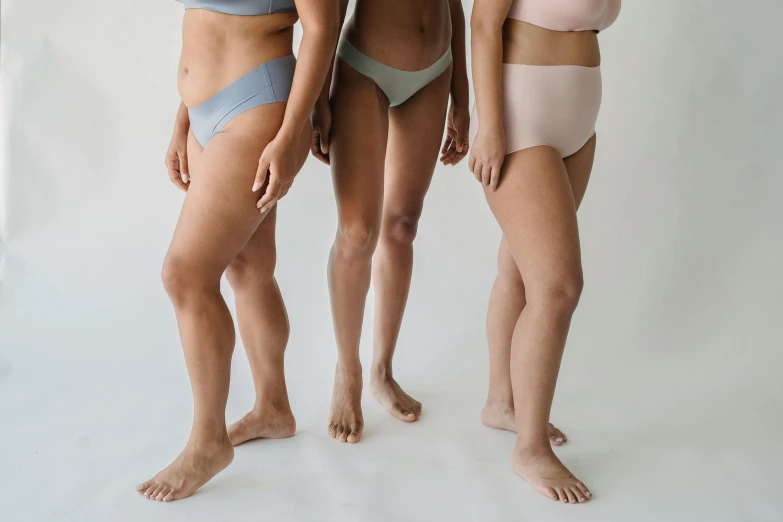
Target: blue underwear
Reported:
[(270, 82)]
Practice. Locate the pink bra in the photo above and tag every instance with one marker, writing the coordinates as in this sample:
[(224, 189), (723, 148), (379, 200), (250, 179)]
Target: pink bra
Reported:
[(566, 15)]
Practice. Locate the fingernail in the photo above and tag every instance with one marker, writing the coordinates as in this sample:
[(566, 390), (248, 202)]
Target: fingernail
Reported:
[(256, 186)]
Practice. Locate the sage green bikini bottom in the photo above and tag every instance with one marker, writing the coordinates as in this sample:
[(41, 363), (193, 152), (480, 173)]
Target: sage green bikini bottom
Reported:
[(396, 84)]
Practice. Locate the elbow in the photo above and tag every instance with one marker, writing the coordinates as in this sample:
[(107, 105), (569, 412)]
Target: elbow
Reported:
[(482, 24), (325, 31)]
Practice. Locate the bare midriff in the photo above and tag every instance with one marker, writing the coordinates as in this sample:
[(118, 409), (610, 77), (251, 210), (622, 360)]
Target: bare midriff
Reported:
[(405, 34), (218, 49), (530, 44)]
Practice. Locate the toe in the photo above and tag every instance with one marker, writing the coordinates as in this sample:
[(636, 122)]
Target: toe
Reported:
[(583, 489), (343, 434), (151, 486), (141, 488), (154, 491), (570, 495), (578, 495), (354, 437), (548, 492), (332, 430), (169, 496), (561, 495), (162, 493)]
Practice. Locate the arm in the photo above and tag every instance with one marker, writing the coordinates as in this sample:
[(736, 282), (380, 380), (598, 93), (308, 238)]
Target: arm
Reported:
[(319, 23), (322, 112), (489, 147), (177, 154), (455, 146)]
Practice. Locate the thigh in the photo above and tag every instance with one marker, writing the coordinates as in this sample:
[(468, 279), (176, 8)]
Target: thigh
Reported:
[(579, 166), (357, 144), (535, 208), (415, 134), (219, 214)]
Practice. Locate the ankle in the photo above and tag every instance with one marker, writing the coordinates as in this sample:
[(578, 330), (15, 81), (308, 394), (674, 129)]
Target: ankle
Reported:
[(349, 365), (381, 371), (266, 404), (532, 446)]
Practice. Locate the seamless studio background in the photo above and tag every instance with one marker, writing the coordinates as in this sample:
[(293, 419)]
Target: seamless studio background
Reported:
[(670, 390)]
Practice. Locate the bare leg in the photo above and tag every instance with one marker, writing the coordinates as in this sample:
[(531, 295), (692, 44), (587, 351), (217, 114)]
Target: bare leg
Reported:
[(217, 219), (506, 303), (263, 325), (415, 132), (535, 208), (357, 150)]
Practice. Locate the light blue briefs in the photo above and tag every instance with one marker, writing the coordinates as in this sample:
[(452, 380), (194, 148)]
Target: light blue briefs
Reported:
[(270, 82)]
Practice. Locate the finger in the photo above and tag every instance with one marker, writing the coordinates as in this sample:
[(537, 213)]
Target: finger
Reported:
[(446, 144), (315, 142), (448, 159), (183, 166), (324, 138), (177, 180), (460, 140), (494, 178), (458, 157), (471, 162), (486, 171), (261, 173), (270, 196)]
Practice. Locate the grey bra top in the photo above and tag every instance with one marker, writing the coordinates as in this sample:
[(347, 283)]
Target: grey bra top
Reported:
[(243, 7)]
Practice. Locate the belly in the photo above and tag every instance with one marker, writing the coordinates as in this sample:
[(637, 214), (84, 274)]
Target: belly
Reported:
[(529, 44), (405, 34), (217, 49)]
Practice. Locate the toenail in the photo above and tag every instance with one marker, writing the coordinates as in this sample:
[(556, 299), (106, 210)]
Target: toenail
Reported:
[(559, 439), (139, 487)]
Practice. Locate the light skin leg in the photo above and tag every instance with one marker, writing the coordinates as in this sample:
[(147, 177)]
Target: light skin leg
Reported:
[(415, 131), (218, 218), (506, 303), (535, 207), (357, 151)]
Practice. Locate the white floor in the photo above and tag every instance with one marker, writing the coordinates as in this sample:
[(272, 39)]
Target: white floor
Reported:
[(89, 410)]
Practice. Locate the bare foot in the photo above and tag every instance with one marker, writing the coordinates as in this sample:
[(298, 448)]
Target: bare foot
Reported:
[(500, 416), (263, 423), (544, 471), (345, 415), (193, 468), (401, 405)]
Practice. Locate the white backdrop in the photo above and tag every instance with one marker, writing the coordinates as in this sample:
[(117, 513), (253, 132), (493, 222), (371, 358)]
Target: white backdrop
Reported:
[(670, 389)]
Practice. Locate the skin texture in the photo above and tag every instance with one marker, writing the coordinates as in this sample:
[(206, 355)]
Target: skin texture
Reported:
[(380, 191), (534, 195), (220, 229)]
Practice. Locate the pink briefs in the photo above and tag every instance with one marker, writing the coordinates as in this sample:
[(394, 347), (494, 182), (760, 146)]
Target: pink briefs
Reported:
[(555, 105)]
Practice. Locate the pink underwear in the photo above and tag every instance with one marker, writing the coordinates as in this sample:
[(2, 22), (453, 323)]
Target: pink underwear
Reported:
[(554, 105)]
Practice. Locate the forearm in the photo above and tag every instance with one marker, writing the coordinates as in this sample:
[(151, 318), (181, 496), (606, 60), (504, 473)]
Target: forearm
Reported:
[(182, 121), (315, 53), (487, 63), (324, 95), (460, 95)]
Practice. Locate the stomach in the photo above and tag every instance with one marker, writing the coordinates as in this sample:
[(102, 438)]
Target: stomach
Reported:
[(218, 49), (529, 44), (405, 34)]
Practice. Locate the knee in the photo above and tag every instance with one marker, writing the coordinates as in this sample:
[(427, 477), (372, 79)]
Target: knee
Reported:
[(560, 294), (244, 272), (357, 239), (401, 228), (181, 280)]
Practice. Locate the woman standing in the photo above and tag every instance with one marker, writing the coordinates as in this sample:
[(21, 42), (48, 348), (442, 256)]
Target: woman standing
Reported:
[(538, 90), (241, 101), (397, 62)]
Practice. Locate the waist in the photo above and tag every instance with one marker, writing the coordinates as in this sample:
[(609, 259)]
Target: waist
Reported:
[(404, 34), (218, 48), (525, 43)]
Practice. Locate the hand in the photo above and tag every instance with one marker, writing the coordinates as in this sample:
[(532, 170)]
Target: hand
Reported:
[(177, 159), (487, 156), (322, 126), (455, 146), (278, 166)]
